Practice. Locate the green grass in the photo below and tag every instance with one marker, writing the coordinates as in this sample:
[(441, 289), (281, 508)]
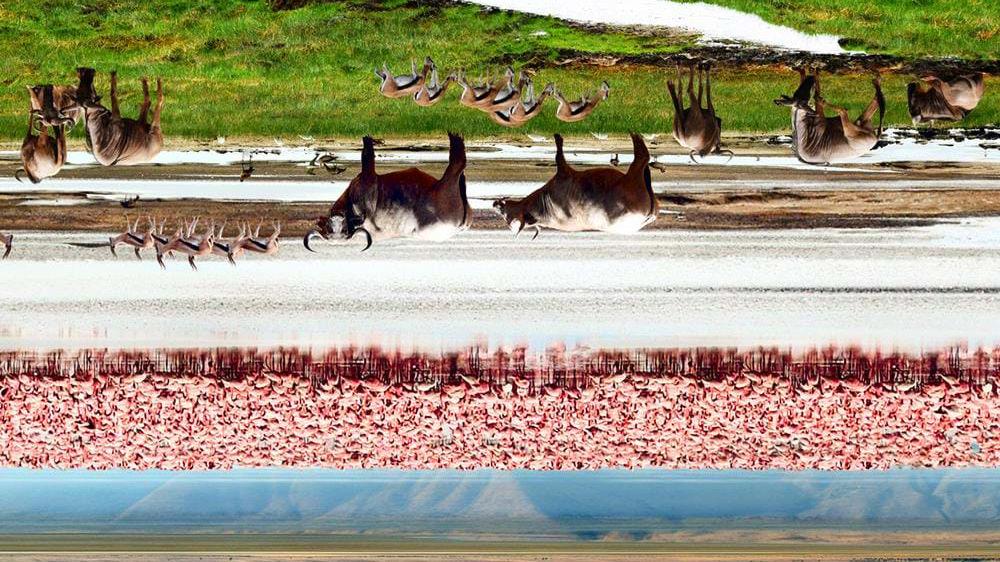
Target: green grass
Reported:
[(238, 69), (907, 28)]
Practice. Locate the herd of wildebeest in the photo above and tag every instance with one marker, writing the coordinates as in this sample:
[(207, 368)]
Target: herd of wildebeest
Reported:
[(413, 204)]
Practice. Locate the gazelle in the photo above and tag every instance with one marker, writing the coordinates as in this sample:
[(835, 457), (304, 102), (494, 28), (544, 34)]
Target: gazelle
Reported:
[(254, 243), (579, 110), (403, 85), (818, 139), (8, 244), (481, 98), (696, 128), (43, 154), (114, 139), (405, 204), (132, 237), (933, 99), (432, 91), (223, 247), (602, 199), (526, 110), (508, 96), (187, 242)]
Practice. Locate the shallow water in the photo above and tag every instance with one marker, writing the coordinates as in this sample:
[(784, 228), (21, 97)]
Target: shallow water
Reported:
[(905, 288)]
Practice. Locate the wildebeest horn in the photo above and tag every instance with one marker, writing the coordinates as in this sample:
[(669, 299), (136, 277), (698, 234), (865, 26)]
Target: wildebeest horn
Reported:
[(308, 236), (368, 237)]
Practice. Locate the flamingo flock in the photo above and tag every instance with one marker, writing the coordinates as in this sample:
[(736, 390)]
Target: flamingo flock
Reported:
[(156, 418), (508, 102), (186, 240)]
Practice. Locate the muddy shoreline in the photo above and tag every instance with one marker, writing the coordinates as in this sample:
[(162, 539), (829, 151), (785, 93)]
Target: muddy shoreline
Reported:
[(745, 209)]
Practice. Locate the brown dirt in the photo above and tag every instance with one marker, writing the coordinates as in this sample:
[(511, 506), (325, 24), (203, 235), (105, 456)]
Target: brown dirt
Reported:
[(753, 209)]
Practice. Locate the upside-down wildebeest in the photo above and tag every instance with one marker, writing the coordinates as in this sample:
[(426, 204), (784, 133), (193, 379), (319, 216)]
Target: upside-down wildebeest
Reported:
[(43, 154), (933, 99), (602, 199), (405, 204), (818, 139), (696, 128), (113, 139)]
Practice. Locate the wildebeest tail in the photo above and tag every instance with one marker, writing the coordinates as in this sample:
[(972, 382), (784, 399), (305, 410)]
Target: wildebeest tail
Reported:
[(31, 177), (880, 98)]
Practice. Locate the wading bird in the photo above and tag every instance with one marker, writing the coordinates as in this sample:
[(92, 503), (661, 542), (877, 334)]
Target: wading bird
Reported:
[(405, 204), (113, 139), (246, 168), (696, 128), (602, 199), (818, 139)]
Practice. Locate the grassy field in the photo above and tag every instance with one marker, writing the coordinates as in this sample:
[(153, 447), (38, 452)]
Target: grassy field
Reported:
[(238, 69), (908, 28), (376, 547)]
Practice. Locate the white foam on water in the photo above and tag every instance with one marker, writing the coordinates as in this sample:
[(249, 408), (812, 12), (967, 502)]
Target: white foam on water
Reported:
[(714, 23)]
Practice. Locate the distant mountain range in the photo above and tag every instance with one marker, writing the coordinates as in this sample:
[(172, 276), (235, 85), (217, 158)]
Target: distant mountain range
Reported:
[(487, 502)]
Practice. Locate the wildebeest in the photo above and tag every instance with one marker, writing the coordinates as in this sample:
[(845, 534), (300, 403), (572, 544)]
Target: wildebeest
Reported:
[(43, 153), (405, 204), (113, 139), (578, 110), (602, 199), (696, 128), (818, 139), (933, 99)]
